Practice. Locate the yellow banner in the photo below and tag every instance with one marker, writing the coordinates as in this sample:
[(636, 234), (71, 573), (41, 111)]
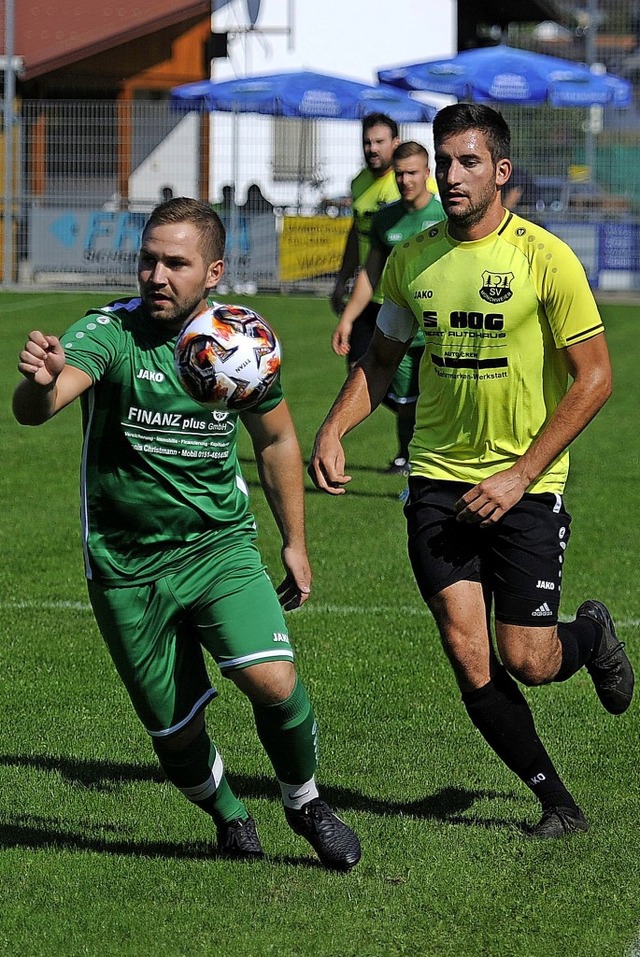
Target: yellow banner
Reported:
[(311, 246)]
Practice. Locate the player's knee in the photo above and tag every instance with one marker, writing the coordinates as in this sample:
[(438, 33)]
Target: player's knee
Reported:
[(531, 655), (267, 683), (181, 740), (527, 666)]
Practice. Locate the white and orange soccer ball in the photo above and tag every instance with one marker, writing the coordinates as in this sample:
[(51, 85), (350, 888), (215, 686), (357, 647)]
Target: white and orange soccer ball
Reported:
[(227, 358)]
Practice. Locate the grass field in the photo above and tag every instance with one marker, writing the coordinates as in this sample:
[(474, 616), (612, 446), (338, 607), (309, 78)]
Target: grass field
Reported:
[(100, 856)]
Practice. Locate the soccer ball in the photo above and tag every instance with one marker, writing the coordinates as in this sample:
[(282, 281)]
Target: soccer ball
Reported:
[(227, 358)]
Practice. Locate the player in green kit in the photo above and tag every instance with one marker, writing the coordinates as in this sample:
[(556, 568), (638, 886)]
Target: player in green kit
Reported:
[(515, 366), (169, 539), (397, 222)]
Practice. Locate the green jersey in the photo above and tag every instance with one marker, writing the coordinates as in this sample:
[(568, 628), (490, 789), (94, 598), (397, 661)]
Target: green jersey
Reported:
[(496, 314), (395, 223), (160, 478)]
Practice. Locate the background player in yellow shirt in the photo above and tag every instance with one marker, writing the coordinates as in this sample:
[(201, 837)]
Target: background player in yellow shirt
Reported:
[(417, 209), (371, 189), (515, 366)]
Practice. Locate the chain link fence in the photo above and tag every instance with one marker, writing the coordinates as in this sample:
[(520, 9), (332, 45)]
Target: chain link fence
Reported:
[(86, 173)]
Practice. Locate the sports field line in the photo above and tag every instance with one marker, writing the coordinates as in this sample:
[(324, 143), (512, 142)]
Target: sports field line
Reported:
[(28, 304), (309, 609)]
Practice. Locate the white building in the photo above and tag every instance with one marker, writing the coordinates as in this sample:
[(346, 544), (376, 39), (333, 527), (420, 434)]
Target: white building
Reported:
[(302, 164)]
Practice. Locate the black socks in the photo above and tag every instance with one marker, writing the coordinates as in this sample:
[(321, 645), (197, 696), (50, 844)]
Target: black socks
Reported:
[(501, 714)]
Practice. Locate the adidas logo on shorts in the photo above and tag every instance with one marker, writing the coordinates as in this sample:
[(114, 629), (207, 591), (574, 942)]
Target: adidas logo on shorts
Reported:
[(542, 611)]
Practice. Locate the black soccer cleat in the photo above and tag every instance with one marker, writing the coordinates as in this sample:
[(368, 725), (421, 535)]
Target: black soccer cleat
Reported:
[(335, 844), (559, 822), (238, 840), (399, 466), (609, 666)]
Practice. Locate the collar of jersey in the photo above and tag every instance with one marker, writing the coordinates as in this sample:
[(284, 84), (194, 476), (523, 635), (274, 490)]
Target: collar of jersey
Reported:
[(485, 241)]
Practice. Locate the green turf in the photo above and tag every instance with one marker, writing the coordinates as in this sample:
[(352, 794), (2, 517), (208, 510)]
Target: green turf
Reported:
[(99, 856)]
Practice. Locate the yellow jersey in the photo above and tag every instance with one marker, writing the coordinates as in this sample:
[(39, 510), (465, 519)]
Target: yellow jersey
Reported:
[(370, 193), (496, 314)]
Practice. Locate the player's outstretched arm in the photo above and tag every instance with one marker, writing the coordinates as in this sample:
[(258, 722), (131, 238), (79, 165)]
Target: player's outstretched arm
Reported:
[(49, 384), (364, 390), (280, 466), (365, 283)]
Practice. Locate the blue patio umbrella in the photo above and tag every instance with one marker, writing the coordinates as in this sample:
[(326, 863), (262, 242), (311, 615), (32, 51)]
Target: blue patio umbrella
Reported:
[(503, 74), (303, 94)]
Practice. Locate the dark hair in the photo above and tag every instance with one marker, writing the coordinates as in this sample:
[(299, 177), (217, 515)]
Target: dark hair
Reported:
[(410, 148), (379, 119), (183, 209), (460, 117)]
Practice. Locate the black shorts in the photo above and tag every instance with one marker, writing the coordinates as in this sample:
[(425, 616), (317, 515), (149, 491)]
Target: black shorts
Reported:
[(362, 332), (518, 560)]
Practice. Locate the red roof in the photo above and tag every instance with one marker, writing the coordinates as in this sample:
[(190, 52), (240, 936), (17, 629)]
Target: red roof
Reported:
[(50, 35)]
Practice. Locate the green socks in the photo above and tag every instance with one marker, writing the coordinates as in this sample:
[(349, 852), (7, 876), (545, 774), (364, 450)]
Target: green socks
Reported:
[(198, 771), (288, 733)]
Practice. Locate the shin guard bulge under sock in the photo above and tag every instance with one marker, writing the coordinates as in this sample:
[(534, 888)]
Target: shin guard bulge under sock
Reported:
[(198, 771)]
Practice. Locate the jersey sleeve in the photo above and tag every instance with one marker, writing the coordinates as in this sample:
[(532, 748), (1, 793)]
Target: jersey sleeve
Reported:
[(273, 398), (392, 279), (567, 298), (92, 343), (376, 236)]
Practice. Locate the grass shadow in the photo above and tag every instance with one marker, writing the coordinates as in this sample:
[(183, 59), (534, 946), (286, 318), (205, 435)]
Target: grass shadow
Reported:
[(447, 805), (41, 833)]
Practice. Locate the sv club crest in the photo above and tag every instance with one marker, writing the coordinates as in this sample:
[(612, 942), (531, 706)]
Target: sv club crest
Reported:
[(496, 286)]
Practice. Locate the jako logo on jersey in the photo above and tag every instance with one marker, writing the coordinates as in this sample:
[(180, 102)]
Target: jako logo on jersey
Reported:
[(280, 636), (542, 612), (550, 586), (150, 375), (495, 286), (219, 416)]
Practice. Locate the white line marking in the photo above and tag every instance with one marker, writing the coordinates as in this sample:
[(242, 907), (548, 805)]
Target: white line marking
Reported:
[(308, 608), (634, 950), (56, 605), (27, 305)]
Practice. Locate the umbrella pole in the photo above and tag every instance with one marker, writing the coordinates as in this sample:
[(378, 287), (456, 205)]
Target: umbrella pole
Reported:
[(234, 223)]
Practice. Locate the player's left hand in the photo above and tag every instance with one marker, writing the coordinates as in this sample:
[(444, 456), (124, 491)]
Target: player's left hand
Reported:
[(487, 502), (295, 589), (327, 464), (341, 338)]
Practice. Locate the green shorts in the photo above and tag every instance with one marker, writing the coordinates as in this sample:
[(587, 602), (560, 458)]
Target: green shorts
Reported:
[(223, 602), (405, 384)]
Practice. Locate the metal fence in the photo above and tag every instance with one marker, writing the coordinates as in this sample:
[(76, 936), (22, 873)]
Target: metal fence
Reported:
[(87, 173)]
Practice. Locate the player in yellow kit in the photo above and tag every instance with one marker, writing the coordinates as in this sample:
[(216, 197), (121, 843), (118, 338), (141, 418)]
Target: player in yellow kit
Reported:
[(515, 366), (397, 222), (372, 189)]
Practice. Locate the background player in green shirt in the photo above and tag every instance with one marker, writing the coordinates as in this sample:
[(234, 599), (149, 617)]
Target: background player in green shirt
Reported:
[(417, 209), (169, 540), (515, 366)]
